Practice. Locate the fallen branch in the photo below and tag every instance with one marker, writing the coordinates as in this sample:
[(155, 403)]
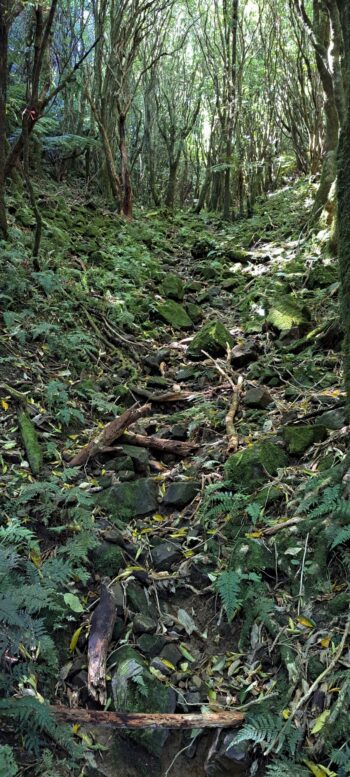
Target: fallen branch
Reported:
[(102, 624), (140, 720), (282, 525), (231, 415), (111, 432), (165, 396), (168, 446)]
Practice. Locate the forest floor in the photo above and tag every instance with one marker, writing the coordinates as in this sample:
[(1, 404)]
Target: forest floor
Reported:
[(224, 547)]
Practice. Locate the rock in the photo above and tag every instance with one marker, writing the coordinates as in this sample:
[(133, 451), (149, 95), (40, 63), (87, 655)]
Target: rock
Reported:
[(185, 373), (230, 760), (119, 599), (107, 559), (243, 354), (118, 630), (178, 432), (165, 555), (181, 494), (119, 464), (212, 338), (125, 475), (257, 397), (173, 287), (139, 458), (195, 312), (31, 442), (201, 247), (174, 314), (299, 438), (172, 653), (137, 599), (128, 500), (333, 419), (247, 469), (286, 313), (151, 644), (135, 689), (144, 624), (161, 666)]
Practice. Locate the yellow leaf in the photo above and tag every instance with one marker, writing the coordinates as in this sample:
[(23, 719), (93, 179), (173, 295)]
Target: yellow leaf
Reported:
[(325, 642), (168, 664), (74, 640), (320, 722), (35, 558), (254, 535), (305, 622), (158, 518), (4, 404), (318, 770), (286, 714), (75, 728)]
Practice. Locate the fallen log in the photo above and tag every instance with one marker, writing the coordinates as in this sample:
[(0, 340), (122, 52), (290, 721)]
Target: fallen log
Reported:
[(158, 443), (141, 720), (102, 624), (109, 434)]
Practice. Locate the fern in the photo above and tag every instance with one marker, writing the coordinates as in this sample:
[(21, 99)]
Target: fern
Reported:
[(228, 585), (284, 768)]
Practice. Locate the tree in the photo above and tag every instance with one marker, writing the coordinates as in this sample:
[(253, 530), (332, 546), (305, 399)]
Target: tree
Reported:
[(343, 190)]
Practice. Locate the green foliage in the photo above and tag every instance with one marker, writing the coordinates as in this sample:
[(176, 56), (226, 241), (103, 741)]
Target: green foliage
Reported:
[(232, 591), (281, 767), (266, 730), (8, 766)]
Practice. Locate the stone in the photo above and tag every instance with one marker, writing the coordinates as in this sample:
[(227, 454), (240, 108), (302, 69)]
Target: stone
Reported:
[(139, 457), (173, 287), (185, 373), (257, 397), (172, 653), (137, 599), (119, 464), (212, 338), (107, 559), (118, 629), (195, 312), (333, 419), (119, 598), (201, 247), (128, 500), (178, 432), (144, 624), (165, 555), (299, 438), (181, 494), (160, 666), (135, 689), (151, 644), (243, 354), (229, 759), (173, 313), (286, 313), (247, 469)]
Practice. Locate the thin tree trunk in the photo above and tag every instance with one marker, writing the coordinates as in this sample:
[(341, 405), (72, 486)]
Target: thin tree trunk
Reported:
[(127, 197), (3, 93), (343, 191)]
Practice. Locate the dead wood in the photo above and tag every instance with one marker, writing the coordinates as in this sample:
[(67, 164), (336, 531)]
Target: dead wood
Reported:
[(140, 720), (231, 415), (168, 446), (111, 432), (102, 624)]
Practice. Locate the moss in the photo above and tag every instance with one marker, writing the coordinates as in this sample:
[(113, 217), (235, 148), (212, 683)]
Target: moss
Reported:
[(247, 469), (212, 338), (173, 287), (174, 314), (30, 442), (286, 313), (107, 559), (339, 604), (299, 438)]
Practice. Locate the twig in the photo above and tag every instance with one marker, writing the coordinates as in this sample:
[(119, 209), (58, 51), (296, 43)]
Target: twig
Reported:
[(231, 415)]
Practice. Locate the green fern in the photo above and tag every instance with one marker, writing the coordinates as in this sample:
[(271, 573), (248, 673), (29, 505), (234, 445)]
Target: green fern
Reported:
[(284, 768)]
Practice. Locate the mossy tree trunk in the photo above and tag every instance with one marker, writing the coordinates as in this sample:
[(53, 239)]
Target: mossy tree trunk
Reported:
[(3, 90), (343, 193)]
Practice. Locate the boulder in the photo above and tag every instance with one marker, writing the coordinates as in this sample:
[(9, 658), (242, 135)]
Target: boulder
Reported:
[(173, 287), (137, 599), (172, 653), (257, 397), (127, 500), (212, 338), (165, 555), (230, 759), (181, 494), (144, 624), (151, 644), (173, 313), (195, 312), (135, 689), (139, 458), (247, 469), (333, 419), (299, 438)]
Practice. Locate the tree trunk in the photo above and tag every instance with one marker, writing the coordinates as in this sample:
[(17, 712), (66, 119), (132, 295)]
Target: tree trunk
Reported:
[(343, 191), (171, 187), (125, 172), (3, 93)]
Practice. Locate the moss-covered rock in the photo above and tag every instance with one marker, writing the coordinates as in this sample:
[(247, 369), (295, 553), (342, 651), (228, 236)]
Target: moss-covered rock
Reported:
[(135, 689), (247, 469), (286, 313), (174, 314), (299, 438), (212, 338), (195, 312), (127, 500), (173, 287), (30, 442), (107, 559)]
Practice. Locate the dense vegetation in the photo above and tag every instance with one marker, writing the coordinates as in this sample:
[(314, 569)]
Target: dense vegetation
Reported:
[(175, 385)]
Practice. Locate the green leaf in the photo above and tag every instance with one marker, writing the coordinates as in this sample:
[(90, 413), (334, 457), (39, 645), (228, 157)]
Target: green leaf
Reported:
[(73, 602)]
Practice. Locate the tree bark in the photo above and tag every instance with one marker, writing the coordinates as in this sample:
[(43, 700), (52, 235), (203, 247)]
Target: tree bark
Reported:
[(140, 720), (3, 96), (127, 197), (343, 194)]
